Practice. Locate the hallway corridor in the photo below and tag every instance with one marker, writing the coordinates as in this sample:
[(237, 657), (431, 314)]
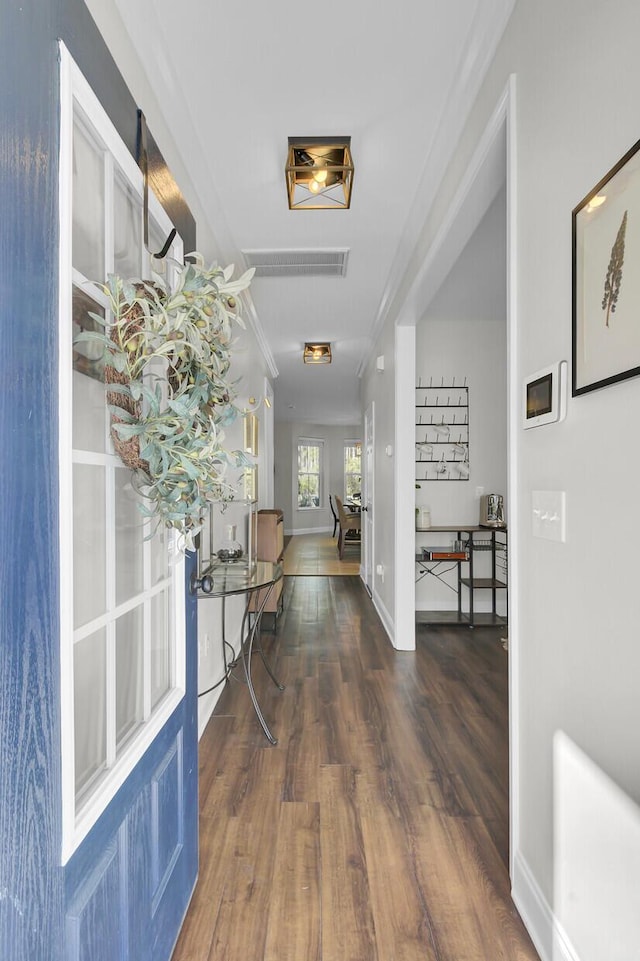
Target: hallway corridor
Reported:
[(318, 554), (376, 829)]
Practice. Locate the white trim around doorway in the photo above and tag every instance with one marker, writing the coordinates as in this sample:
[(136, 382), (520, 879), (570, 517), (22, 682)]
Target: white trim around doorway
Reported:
[(494, 157)]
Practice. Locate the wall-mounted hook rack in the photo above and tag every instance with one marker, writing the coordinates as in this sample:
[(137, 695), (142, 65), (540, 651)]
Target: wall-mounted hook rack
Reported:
[(447, 425), (143, 163)]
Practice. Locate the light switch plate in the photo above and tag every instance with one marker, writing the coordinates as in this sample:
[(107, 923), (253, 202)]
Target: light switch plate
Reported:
[(548, 515)]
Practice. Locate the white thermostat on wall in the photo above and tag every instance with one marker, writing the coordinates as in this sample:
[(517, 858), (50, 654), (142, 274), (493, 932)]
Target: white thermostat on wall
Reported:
[(545, 396)]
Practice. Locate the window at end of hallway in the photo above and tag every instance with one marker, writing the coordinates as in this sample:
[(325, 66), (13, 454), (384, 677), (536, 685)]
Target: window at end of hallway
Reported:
[(310, 456)]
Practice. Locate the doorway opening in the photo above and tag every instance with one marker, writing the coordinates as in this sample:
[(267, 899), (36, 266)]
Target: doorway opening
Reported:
[(491, 169)]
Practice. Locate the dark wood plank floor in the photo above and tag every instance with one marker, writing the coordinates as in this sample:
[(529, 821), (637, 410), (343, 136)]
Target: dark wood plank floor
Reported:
[(376, 829)]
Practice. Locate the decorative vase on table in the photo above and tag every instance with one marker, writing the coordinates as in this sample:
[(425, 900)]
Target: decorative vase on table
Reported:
[(231, 549)]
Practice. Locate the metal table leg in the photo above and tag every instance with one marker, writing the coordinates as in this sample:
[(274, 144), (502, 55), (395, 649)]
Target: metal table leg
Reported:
[(246, 649)]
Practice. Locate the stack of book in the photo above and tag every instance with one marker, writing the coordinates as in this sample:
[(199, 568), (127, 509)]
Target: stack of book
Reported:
[(443, 554)]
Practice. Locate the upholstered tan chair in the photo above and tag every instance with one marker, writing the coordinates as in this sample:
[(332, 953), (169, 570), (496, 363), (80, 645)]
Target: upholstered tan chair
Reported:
[(348, 521)]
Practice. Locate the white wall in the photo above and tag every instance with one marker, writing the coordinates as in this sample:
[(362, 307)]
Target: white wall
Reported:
[(576, 650), (287, 435), (248, 365)]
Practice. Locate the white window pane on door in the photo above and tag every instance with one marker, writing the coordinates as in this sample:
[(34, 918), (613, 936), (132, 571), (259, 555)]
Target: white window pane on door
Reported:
[(129, 674), (89, 407), (129, 538), (159, 555), (156, 243), (89, 674), (89, 543), (127, 230), (160, 660), (88, 207)]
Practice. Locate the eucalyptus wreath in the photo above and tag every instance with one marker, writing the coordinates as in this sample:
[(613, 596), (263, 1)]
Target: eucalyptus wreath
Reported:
[(167, 357)]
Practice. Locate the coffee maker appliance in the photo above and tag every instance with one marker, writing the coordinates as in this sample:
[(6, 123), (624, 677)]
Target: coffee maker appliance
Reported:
[(492, 510)]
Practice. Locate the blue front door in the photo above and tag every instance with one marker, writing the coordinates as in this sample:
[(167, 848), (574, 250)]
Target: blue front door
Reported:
[(129, 739), (122, 892), (127, 887)]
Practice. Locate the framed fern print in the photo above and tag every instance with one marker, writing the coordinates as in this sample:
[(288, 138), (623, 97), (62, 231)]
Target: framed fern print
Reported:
[(606, 279)]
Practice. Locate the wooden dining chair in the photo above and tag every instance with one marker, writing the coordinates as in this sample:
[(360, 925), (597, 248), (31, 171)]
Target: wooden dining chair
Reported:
[(349, 521), (335, 516)]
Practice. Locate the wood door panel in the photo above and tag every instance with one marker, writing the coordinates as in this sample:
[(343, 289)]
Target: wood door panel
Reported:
[(94, 923), (174, 833), (166, 819), (130, 907), (135, 836)]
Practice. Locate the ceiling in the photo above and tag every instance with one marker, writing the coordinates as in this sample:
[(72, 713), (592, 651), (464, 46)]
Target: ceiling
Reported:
[(235, 80)]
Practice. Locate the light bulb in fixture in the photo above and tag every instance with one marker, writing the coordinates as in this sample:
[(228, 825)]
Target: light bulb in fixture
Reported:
[(317, 353), (315, 166), (320, 172)]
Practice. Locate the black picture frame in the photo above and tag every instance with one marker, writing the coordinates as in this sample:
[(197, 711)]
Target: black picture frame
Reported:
[(605, 286)]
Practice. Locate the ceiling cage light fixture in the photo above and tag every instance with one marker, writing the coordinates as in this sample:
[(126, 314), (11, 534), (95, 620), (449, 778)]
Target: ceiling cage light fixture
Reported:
[(317, 354), (319, 173)]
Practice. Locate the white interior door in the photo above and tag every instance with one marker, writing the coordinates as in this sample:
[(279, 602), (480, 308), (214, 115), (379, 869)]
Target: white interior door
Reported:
[(367, 498), (266, 480)]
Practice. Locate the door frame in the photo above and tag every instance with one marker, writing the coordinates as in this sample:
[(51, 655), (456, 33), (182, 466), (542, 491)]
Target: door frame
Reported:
[(367, 501), (404, 638), (266, 460), (495, 156)]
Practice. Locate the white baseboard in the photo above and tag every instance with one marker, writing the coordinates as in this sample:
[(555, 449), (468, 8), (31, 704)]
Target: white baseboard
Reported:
[(206, 707), (563, 950), (479, 606), (547, 934), (308, 530), (385, 617), (207, 704)]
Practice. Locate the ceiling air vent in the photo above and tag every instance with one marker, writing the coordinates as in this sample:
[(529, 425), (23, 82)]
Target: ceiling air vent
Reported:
[(330, 262)]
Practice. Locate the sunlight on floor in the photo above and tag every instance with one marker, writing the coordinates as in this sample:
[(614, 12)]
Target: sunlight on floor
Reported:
[(318, 554)]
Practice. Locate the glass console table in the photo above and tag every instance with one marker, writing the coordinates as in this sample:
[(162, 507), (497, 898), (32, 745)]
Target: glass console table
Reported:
[(227, 580)]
